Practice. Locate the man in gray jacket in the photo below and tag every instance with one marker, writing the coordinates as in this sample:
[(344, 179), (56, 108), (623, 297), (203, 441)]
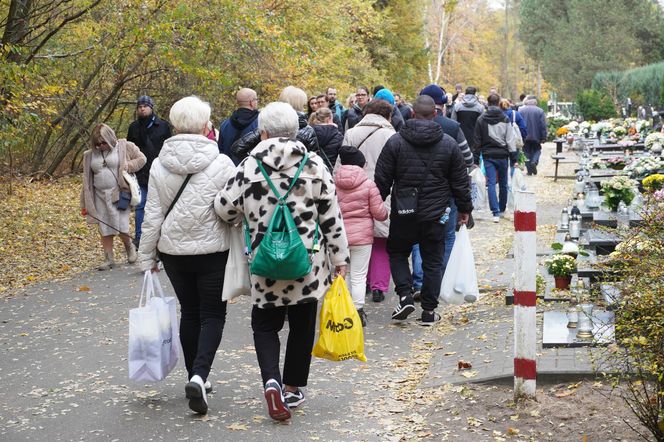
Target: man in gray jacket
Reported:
[(494, 139), (468, 111), (536, 125)]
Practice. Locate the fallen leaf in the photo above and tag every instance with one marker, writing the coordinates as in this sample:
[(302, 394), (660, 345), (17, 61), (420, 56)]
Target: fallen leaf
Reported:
[(469, 374), (83, 288), (450, 353), (463, 365), (514, 417), (512, 431), (482, 337), (565, 393), (237, 427)]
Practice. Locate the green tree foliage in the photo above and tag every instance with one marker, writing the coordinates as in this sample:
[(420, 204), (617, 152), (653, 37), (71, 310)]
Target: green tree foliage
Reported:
[(595, 105), (643, 84), (573, 41), (66, 65)]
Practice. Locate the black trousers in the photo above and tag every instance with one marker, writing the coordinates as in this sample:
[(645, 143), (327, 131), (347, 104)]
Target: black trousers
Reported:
[(405, 232), (266, 324), (197, 281)]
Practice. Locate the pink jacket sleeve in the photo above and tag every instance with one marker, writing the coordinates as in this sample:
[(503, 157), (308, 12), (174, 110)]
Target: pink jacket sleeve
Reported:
[(376, 205)]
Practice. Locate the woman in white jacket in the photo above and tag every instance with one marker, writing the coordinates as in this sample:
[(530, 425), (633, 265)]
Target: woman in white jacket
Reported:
[(191, 239)]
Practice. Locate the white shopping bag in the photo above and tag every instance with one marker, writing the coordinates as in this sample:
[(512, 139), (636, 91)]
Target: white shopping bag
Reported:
[(154, 344), (478, 190), (516, 182), (236, 275), (460, 279)]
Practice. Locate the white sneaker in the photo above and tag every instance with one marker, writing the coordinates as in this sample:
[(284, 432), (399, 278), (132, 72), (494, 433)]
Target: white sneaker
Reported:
[(195, 391), (496, 219)]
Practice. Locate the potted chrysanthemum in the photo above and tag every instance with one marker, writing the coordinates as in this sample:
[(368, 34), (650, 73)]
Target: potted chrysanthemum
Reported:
[(561, 266), (618, 188)]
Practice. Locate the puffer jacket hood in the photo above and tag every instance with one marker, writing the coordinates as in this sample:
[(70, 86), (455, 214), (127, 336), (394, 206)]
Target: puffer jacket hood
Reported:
[(349, 177), (470, 101), (329, 142), (279, 153), (422, 132), (187, 153), (495, 115)]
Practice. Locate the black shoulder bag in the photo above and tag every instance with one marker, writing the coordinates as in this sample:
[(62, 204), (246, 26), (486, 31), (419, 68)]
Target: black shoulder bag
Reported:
[(177, 195), (405, 198)]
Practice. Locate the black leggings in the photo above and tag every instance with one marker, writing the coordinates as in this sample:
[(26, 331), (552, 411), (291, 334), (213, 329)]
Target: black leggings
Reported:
[(267, 323), (198, 281)]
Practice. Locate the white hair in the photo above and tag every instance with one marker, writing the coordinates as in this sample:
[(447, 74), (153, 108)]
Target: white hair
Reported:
[(190, 115), (278, 120), (294, 96)]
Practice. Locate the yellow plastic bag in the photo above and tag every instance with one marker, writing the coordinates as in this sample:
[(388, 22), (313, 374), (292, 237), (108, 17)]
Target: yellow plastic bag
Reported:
[(341, 336)]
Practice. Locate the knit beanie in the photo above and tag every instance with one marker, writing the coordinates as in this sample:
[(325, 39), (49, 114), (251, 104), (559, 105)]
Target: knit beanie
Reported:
[(385, 94), (350, 155), (436, 92), (145, 101)]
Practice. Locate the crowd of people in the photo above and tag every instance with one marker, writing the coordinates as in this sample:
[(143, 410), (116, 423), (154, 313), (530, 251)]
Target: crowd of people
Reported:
[(373, 186)]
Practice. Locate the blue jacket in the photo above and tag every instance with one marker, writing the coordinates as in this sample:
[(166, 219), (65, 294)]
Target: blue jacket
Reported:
[(518, 119), (241, 122), (535, 122)]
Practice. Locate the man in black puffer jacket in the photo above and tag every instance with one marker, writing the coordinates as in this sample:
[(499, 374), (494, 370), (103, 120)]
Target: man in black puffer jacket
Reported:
[(423, 168)]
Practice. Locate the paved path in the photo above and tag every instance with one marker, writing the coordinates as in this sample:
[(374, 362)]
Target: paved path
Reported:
[(63, 373)]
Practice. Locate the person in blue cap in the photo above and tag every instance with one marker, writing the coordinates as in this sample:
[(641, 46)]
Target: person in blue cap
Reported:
[(396, 119), (148, 132)]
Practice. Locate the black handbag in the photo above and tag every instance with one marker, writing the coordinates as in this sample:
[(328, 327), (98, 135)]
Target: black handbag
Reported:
[(405, 198)]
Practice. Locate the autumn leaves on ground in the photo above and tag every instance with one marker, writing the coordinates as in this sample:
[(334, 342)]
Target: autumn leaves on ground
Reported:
[(42, 234)]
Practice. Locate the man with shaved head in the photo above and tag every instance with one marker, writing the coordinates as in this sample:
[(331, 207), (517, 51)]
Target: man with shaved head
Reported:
[(422, 168), (242, 121)]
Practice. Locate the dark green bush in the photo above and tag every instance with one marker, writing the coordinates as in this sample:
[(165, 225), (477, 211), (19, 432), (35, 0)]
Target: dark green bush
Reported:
[(595, 105)]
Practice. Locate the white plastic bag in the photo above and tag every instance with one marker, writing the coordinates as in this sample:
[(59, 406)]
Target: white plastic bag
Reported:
[(154, 344), (236, 275), (478, 189), (135, 189), (460, 279), (516, 182)]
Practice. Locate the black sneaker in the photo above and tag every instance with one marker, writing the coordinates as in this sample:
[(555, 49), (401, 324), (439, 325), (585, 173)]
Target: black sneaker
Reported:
[(404, 308), (277, 407), (534, 167), (195, 392), (294, 398), (377, 296), (363, 316), (429, 318), (417, 295)]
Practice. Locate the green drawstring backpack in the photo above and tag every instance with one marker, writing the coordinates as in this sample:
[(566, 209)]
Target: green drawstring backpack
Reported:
[(281, 254)]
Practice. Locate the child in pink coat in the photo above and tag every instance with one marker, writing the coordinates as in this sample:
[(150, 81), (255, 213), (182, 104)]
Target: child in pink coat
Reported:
[(360, 204)]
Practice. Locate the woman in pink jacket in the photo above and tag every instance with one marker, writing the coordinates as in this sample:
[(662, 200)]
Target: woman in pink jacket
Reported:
[(360, 204)]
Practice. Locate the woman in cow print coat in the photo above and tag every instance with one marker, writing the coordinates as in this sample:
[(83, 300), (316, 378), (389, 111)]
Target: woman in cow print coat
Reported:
[(313, 198)]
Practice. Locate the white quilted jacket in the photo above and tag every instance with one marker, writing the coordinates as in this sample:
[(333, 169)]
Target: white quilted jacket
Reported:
[(192, 227)]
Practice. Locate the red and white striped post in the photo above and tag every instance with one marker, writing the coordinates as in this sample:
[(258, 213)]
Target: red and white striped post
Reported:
[(525, 296)]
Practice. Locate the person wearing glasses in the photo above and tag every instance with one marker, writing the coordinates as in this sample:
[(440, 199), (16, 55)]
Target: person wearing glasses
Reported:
[(241, 122), (103, 164), (354, 114)]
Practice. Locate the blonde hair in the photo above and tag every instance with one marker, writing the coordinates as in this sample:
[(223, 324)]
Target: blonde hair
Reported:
[(321, 116), (294, 96), (504, 104), (351, 98)]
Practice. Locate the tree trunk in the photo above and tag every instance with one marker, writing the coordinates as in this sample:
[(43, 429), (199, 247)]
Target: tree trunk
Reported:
[(16, 28)]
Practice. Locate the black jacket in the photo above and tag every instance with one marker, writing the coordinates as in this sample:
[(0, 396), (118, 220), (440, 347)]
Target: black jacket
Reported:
[(403, 162), (157, 132), (352, 117), (241, 148), (329, 141)]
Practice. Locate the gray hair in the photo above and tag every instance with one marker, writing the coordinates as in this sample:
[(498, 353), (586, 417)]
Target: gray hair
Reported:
[(190, 115), (294, 96), (278, 120)]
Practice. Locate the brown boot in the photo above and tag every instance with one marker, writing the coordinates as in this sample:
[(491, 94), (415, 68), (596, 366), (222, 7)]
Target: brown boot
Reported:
[(131, 253), (108, 263)]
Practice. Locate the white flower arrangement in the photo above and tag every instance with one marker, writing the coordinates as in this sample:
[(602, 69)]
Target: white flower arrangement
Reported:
[(655, 137), (643, 126), (644, 166)]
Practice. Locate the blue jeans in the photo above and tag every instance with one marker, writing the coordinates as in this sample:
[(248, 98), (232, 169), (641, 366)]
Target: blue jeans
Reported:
[(140, 213), (496, 172), (450, 236)]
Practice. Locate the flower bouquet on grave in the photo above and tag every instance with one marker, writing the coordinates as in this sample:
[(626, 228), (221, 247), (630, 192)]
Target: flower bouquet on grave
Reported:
[(653, 183), (654, 142), (615, 163), (644, 166), (561, 267), (618, 188)]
